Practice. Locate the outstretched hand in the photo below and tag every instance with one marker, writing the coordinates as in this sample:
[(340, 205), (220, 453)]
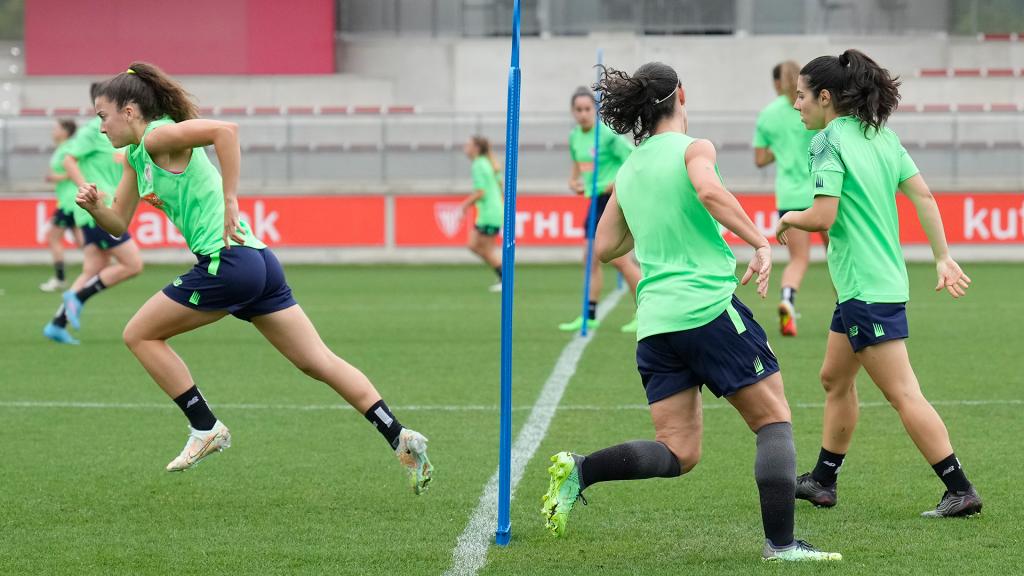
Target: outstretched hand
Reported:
[(952, 278), (761, 265)]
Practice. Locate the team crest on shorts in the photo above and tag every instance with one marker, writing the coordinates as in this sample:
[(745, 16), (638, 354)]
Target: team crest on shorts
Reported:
[(854, 331), (177, 281)]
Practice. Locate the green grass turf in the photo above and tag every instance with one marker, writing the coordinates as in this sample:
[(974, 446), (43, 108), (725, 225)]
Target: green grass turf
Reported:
[(82, 490)]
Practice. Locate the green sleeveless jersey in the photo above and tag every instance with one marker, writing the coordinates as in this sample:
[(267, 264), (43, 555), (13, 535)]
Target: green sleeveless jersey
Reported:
[(65, 189), (688, 271), (864, 254), (489, 210), (193, 199), (614, 151)]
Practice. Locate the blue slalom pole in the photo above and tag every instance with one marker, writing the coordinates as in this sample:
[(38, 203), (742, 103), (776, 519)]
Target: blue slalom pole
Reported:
[(508, 258), (594, 193)]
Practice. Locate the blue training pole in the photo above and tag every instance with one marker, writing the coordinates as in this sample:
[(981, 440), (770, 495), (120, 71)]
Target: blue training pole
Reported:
[(594, 193), (508, 258)]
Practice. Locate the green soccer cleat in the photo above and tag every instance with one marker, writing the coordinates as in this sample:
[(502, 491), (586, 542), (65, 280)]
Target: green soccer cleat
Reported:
[(798, 551), (577, 325), (563, 491), (412, 454), (630, 326)]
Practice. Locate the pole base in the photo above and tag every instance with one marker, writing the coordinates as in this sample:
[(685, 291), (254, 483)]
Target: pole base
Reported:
[(502, 537)]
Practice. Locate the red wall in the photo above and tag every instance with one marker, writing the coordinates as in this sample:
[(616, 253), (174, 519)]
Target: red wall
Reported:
[(66, 37)]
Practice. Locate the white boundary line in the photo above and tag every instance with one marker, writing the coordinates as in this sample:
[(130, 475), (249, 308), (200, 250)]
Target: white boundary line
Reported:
[(470, 552), (46, 404)]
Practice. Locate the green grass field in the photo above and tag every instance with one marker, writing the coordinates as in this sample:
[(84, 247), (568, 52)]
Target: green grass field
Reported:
[(310, 488)]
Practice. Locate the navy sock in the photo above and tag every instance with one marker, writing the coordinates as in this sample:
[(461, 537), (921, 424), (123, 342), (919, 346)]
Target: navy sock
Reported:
[(60, 320), (94, 285), (592, 310), (58, 270), (497, 270), (951, 474), (380, 416), (194, 406), (827, 468)]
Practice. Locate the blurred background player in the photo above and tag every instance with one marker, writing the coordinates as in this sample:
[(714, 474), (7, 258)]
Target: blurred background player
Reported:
[(781, 138), (106, 260), (153, 115), (614, 149), (857, 165), (64, 214), (486, 197), (694, 331)]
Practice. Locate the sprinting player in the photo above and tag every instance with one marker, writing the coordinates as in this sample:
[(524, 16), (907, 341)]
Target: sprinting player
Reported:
[(857, 164), (106, 260), (781, 137), (668, 203), (63, 215), (486, 197), (151, 114), (614, 150)]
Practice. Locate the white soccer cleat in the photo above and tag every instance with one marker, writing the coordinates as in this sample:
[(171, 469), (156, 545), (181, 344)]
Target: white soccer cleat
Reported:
[(53, 285), (412, 453), (200, 444), (495, 287)]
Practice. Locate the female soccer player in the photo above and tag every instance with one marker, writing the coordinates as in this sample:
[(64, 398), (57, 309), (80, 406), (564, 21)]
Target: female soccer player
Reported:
[(668, 203), (151, 114), (614, 149), (781, 138), (90, 158), (63, 215), (486, 197), (857, 164)]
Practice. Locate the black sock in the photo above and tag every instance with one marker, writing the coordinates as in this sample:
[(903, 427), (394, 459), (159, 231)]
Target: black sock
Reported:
[(58, 270), (380, 415), (951, 474), (497, 270), (634, 460), (194, 406), (827, 468), (592, 310), (94, 285), (60, 319), (775, 473), (789, 295)]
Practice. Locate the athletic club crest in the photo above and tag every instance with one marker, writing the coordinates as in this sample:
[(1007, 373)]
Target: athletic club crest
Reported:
[(449, 217), (153, 200)]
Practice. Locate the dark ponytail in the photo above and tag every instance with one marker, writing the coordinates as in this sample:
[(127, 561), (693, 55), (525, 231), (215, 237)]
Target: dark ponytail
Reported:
[(859, 86), (483, 145), (154, 92), (636, 103)]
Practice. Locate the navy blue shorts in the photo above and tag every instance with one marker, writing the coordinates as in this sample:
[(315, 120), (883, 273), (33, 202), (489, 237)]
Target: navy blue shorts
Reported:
[(726, 354), (63, 219), (487, 230), (96, 235), (867, 324), (244, 282), (602, 203)]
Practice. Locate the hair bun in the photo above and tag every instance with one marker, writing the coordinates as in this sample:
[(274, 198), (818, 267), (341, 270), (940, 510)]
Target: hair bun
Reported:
[(844, 59)]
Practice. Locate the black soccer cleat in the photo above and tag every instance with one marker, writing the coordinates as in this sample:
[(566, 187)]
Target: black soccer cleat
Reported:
[(956, 504), (807, 488)]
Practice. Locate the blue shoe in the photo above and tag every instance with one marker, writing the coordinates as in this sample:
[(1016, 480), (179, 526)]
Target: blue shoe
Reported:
[(72, 308), (58, 334)]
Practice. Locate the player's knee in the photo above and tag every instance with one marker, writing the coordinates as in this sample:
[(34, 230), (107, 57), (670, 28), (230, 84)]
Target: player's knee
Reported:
[(904, 398), (686, 451), (689, 459), (834, 383), (131, 336)]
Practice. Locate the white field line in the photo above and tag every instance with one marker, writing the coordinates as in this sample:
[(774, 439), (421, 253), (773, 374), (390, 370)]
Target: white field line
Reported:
[(470, 552), (46, 404)]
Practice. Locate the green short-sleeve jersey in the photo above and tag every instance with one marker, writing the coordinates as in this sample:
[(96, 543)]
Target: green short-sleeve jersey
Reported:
[(688, 271), (489, 211), (99, 162), (65, 189), (193, 199), (780, 129), (614, 149), (864, 171)]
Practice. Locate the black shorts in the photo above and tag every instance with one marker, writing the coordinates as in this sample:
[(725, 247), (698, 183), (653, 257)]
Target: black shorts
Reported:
[(244, 282), (487, 230), (602, 203), (726, 354), (96, 235), (868, 324), (63, 219)]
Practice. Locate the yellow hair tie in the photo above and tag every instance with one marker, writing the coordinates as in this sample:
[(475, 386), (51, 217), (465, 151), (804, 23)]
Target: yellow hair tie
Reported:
[(130, 71)]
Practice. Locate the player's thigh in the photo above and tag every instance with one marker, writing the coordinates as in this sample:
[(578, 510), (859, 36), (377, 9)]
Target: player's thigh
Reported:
[(762, 403), (840, 367), (127, 253), (679, 424), (293, 334), (888, 364), (161, 318)]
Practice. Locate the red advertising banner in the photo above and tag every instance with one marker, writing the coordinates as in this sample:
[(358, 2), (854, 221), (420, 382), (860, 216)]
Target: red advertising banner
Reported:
[(428, 221), (277, 220)]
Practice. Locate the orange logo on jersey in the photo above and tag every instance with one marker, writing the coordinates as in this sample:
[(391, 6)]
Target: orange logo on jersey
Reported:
[(153, 200)]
